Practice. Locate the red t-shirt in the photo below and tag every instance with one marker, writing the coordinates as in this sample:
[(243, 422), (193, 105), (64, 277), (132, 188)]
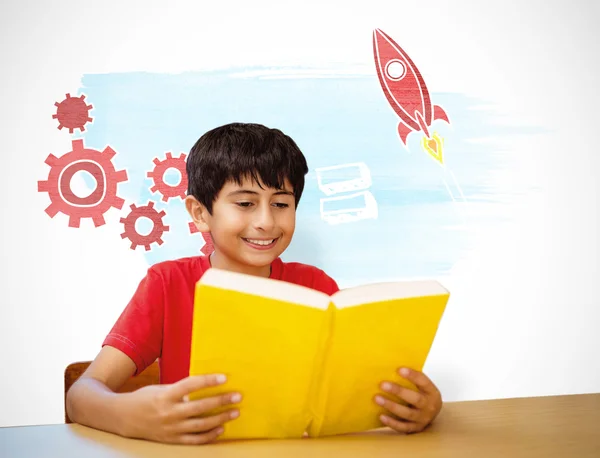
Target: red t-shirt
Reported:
[(157, 322)]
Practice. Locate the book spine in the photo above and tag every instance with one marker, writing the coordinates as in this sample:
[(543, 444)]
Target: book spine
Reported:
[(320, 383)]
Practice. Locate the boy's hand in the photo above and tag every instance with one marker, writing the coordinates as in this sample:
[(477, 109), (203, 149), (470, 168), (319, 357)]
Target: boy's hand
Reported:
[(162, 413), (423, 407)]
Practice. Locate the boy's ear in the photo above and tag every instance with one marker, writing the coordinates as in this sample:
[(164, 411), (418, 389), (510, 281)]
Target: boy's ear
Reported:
[(198, 212)]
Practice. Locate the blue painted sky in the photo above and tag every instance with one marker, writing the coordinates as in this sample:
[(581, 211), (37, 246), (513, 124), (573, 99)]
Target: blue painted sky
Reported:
[(335, 121)]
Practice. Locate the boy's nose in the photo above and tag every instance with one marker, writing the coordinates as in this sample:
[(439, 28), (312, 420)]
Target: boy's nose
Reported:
[(264, 218)]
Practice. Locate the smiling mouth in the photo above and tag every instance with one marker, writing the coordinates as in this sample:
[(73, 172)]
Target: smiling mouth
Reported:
[(261, 244)]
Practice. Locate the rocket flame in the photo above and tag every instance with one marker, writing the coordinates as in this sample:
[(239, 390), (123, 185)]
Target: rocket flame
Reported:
[(434, 146)]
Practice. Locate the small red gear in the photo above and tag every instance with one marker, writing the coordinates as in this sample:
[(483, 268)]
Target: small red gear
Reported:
[(58, 185), (208, 246), (158, 228), (72, 113), (158, 175)]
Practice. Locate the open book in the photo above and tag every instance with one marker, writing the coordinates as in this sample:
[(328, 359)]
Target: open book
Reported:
[(305, 361)]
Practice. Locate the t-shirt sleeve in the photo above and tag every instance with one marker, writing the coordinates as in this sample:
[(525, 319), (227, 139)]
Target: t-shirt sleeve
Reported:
[(139, 329), (324, 283)]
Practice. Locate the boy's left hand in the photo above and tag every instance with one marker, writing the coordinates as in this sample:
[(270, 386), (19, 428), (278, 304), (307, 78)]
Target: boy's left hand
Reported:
[(423, 406)]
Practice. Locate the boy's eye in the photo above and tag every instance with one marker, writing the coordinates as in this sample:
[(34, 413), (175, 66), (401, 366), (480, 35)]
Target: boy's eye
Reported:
[(244, 204), (281, 205)]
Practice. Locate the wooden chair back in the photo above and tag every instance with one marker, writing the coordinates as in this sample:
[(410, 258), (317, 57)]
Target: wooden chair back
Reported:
[(150, 376)]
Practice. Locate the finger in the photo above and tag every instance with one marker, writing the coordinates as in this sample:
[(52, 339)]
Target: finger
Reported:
[(401, 426), (200, 406), (201, 425), (400, 411), (204, 438), (421, 381), (194, 383), (410, 396)]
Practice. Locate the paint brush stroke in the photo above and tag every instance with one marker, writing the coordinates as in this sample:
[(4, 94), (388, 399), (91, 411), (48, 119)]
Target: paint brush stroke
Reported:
[(336, 117)]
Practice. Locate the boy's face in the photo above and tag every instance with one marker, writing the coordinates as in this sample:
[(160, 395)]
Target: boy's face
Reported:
[(250, 226)]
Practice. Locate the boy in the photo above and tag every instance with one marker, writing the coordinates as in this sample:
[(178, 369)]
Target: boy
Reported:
[(245, 182)]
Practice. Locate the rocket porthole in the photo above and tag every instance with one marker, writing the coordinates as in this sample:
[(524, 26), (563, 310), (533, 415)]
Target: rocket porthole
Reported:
[(395, 70)]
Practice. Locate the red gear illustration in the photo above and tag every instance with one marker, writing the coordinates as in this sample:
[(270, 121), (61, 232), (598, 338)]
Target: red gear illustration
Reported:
[(158, 228), (72, 113), (208, 246), (158, 174), (58, 185)]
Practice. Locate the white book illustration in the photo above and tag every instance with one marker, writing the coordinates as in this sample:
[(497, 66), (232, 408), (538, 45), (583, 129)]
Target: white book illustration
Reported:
[(349, 208), (343, 178)]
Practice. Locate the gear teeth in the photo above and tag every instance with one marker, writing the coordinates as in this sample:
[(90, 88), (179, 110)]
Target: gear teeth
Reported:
[(52, 210), (72, 113), (74, 221), (158, 228), (98, 220), (157, 175), (109, 152), (118, 203), (208, 246), (121, 175), (63, 200), (51, 160)]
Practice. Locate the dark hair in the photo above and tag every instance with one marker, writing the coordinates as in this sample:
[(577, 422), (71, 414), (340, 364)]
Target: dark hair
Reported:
[(237, 151)]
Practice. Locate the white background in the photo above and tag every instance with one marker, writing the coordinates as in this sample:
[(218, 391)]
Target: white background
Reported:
[(524, 316)]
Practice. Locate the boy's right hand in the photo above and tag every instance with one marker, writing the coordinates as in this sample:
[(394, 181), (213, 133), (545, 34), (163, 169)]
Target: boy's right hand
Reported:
[(162, 413)]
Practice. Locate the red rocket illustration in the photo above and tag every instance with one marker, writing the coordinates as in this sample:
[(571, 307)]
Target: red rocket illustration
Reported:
[(407, 93)]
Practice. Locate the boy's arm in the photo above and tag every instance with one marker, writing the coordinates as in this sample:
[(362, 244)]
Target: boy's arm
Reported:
[(92, 399), (157, 412)]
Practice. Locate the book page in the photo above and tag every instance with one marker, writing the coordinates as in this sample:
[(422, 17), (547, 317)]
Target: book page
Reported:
[(269, 350), (368, 344), (377, 292), (267, 287)]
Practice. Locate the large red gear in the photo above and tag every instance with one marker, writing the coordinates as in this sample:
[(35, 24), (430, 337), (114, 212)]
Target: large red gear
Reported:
[(158, 228), (58, 185), (72, 113), (158, 175), (208, 246)]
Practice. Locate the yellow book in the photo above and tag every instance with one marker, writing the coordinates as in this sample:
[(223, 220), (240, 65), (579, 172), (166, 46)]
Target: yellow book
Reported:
[(306, 361)]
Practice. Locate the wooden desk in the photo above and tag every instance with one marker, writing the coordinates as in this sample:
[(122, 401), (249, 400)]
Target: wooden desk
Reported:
[(554, 426)]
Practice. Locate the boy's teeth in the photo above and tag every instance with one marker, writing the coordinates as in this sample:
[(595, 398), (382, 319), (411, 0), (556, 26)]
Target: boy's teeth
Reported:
[(261, 242)]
